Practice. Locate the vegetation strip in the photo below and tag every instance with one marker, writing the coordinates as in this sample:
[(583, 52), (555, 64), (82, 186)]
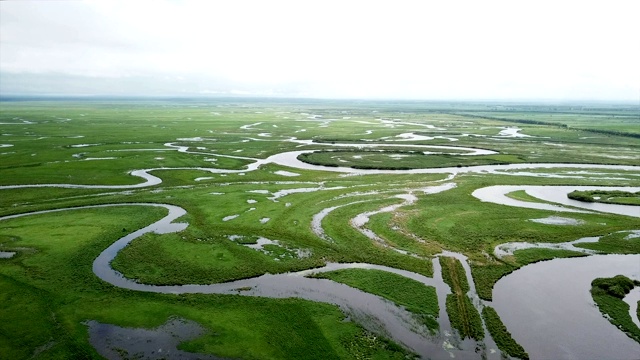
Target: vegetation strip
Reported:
[(607, 197), (501, 335), (463, 315), (414, 296), (453, 274), (608, 294)]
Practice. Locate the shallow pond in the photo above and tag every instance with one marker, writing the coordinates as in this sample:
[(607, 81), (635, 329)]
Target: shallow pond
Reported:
[(114, 342)]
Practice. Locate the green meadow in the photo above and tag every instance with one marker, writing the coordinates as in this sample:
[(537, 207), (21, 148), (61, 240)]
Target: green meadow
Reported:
[(202, 151)]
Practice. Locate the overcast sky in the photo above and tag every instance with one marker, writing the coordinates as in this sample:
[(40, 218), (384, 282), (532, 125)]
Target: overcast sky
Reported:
[(547, 50)]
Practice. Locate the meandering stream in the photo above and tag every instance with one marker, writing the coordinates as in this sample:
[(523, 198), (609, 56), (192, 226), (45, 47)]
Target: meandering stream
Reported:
[(546, 305)]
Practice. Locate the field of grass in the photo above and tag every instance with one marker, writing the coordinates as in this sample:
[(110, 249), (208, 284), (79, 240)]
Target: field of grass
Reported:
[(463, 315), (501, 335), (414, 296), (48, 289), (605, 121)]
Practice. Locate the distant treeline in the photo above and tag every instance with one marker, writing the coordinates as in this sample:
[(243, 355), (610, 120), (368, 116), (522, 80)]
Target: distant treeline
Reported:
[(548, 123)]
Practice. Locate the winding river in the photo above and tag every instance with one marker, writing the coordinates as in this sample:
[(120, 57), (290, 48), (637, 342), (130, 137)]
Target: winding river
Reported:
[(545, 305)]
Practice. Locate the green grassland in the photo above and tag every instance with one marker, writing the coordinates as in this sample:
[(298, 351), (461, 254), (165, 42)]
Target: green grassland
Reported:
[(48, 289)]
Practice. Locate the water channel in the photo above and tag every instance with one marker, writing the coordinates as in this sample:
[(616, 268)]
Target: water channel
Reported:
[(548, 309), (546, 305)]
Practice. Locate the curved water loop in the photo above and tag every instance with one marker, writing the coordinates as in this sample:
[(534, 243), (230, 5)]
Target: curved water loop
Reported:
[(557, 194)]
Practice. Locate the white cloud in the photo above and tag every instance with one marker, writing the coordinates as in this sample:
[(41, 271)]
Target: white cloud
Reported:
[(413, 49)]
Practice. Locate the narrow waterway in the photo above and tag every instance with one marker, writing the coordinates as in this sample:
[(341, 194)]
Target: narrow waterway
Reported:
[(632, 299)]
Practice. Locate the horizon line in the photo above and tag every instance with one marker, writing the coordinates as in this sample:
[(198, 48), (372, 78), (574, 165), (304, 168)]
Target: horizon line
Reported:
[(548, 101)]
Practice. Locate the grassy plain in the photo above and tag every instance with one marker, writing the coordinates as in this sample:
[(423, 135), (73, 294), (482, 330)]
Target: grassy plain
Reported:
[(47, 290)]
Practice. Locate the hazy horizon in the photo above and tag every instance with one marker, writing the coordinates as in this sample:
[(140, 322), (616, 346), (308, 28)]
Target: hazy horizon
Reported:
[(406, 50)]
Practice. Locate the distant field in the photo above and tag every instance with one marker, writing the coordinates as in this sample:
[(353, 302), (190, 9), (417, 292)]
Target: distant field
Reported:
[(625, 120)]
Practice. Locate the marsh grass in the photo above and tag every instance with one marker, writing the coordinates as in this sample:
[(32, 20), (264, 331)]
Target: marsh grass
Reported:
[(607, 197), (414, 296), (608, 294), (501, 335), (463, 315), (615, 243)]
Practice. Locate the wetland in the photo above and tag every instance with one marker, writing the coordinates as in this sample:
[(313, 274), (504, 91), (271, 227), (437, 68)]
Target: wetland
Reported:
[(237, 228)]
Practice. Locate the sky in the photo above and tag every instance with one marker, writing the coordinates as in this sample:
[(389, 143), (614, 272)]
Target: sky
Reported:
[(430, 50)]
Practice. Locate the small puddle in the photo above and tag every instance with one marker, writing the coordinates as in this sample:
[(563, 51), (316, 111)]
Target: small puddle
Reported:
[(513, 132), (6, 254), (230, 217), (558, 220), (281, 193), (286, 173), (261, 242)]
